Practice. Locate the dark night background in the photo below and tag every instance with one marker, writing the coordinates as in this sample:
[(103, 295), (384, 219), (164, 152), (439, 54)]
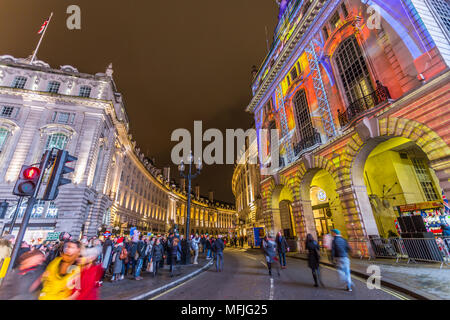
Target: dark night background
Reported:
[(174, 61)]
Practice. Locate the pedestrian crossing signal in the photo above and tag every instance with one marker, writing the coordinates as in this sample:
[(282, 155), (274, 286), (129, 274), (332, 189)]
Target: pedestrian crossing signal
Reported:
[(27, 181)]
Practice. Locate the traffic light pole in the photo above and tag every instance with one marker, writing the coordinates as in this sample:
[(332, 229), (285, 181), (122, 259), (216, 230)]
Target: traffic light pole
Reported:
[(28, 211), (16, 213)]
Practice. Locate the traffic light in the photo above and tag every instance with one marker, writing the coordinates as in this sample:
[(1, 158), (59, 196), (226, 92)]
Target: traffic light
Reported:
[(3, 209), (27, 182), (56, 177)]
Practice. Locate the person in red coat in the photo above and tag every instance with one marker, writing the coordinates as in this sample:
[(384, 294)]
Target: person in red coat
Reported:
[(90, 276)]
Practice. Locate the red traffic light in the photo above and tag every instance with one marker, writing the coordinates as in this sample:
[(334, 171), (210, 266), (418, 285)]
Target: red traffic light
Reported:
[(31, 173)]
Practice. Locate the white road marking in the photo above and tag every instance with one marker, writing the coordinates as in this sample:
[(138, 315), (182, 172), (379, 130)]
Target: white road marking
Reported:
[(271, 289)]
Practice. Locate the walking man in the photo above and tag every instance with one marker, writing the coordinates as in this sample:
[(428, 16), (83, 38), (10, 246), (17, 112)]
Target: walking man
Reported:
[(282, 248), (339, 254), (218, 248)]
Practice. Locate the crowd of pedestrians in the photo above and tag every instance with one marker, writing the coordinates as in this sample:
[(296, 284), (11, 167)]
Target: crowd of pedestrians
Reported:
[(337, 248), (69, 269)]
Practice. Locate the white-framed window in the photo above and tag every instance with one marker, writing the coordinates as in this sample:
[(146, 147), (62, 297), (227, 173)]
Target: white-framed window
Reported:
[(53, 86), (56, 140), (4, 134), (8, 111), (19, 82), (442, 9), (63, 117), (85, 91)]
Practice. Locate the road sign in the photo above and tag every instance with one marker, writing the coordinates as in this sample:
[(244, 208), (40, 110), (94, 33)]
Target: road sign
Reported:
[(52, 236), (107, 234)]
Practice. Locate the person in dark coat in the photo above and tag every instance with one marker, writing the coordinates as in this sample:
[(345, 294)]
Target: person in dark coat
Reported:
[(313, 258), (117, 262), (175, 251), (157, 256), (282, 248), (184, 249), (218, 248), (208, 248), (203, 243)]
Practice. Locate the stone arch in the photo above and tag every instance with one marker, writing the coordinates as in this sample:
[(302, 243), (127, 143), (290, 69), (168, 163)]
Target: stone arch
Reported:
[(370, 133), (309, 166), (278, 183)]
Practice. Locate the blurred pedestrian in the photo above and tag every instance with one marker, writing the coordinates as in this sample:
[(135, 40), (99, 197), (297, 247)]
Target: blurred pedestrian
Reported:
[(23, 282), (62, 275), (90, 275), (270, 252), (339, 254)]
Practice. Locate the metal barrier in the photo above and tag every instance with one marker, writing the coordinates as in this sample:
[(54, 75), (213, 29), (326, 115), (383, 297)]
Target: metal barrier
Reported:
[(428, 250), (360, 248)]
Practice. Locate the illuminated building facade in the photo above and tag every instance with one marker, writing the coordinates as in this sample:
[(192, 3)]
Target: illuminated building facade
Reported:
[(360, 96), (114, 186), (247, 192)]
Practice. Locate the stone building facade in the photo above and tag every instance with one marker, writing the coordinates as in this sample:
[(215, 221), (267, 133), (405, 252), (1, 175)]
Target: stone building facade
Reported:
[(247, 192), (114, 186), (363, 114)]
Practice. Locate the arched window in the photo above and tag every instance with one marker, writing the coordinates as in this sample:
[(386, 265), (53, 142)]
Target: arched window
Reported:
[(56, 140), (3, 137), (353, 70), (305, 126)]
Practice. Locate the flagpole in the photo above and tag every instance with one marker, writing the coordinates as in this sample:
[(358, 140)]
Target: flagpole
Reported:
[(40, 40)]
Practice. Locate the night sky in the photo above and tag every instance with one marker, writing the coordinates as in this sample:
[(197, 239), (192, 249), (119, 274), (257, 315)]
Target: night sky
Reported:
[(174, 61)]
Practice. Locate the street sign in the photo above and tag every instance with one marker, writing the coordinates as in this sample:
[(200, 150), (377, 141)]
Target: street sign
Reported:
[(132, 231), (107, 234), (52, 236)]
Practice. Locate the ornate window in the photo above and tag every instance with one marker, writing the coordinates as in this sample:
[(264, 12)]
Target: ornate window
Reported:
[(19, 82), (56, 140), (305, 127), (353, 70), (442, 9), (53, 86), (4, 134)]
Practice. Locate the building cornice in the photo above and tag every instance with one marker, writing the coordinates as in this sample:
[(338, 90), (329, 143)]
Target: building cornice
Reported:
[(302, 35)]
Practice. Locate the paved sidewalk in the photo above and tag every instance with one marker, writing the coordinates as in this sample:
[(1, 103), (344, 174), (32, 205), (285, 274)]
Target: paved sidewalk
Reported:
[(425, 279), (128, 288)]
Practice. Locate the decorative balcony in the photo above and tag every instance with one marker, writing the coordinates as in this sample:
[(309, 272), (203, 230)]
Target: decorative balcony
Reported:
[(360, 106), (308, 142)]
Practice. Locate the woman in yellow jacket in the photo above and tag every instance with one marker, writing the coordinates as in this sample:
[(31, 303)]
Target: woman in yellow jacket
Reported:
[(62, 275)]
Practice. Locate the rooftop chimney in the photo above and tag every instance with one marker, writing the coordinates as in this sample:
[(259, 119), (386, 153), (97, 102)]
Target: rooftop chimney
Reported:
[(211, 196), (197, 192)]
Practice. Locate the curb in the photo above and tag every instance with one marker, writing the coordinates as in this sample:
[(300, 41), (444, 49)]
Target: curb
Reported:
[(412, 292), (173, 284)]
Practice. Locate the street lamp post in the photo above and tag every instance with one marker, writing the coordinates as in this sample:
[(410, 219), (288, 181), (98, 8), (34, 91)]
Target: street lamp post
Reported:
[(189, 176)]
